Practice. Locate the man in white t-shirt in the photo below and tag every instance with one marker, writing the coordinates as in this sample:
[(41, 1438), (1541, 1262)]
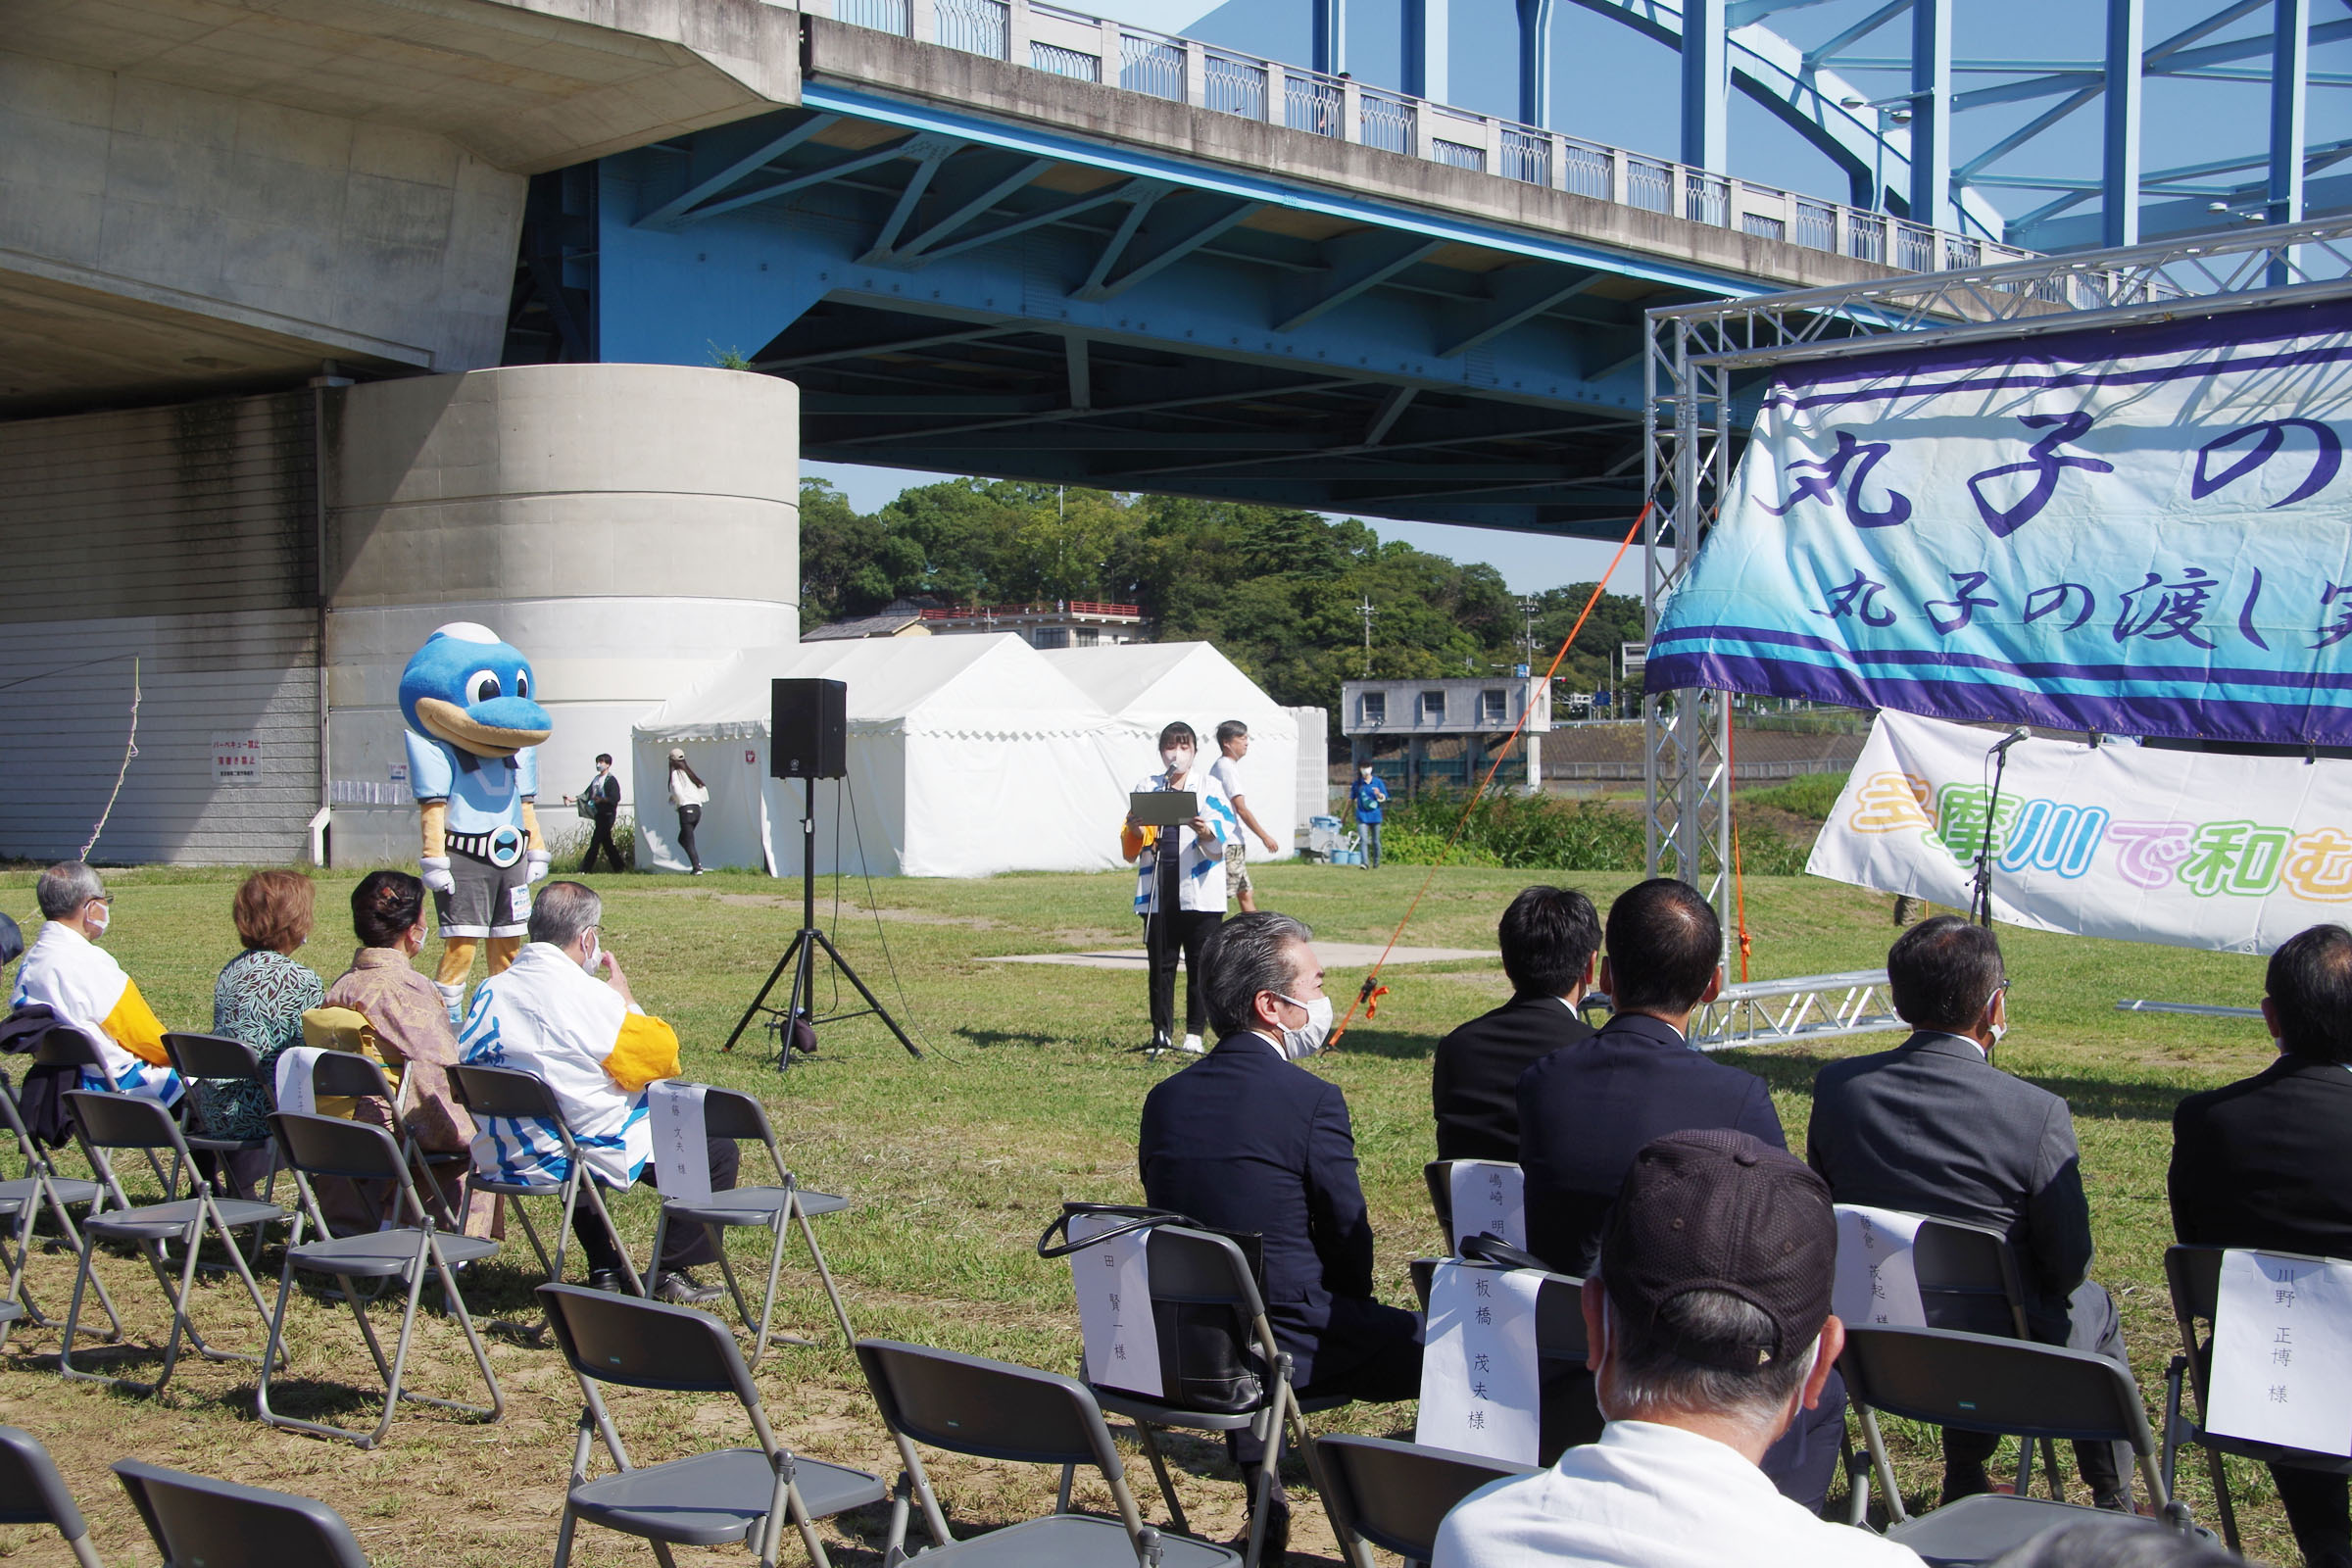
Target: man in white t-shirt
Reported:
[(1710, 1330), (1233, 742)]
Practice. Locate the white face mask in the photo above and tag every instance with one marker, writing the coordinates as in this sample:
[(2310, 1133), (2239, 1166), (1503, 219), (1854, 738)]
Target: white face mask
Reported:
[(98, 923), (2000, 1026), (596, 955), (1300, 1042), (1178, 758)]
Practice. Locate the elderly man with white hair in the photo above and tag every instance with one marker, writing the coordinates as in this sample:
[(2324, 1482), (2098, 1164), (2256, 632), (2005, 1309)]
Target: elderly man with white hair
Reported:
[(547, 1014), (69, 974)]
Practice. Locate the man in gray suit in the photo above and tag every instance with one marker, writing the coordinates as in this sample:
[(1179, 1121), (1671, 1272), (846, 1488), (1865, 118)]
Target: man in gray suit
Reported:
[(1933, 1127)]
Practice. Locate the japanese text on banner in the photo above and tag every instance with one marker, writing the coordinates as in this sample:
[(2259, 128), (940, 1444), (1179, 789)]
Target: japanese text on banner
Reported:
[(2282, 1352), (1877, 1284), (681, 1141), (1113, 1279), (1480, 1389), (1488, 1195)]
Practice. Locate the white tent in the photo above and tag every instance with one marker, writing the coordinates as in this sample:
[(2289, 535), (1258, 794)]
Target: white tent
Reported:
[(1153, 684), (967, 755)]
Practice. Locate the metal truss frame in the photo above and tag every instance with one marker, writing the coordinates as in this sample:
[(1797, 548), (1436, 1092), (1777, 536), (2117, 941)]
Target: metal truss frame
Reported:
[(1806, 1007), (1702, 364)]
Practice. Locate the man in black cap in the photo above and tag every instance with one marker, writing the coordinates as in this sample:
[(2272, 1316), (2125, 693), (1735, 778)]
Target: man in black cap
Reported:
[(1710, 1330)]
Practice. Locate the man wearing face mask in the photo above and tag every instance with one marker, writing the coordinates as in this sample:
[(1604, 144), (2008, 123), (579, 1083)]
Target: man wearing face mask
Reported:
[(79, 981), (1247, 1140), (550, 1016), (1708, 1318), (1934, 1127), (1180, 882)]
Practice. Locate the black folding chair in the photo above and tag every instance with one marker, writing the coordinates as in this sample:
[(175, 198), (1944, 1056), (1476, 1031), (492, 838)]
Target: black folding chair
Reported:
[(2194, 1274), (348, 1075), (219, 1059), (1980, 1383), (1394, 1495), (523, 1097), (708, 1499), (729, 1115), (203, 1523), (32, 1492), (1968, 1273), (1207, 1275), (966, 1404), (41, 1189), (65, 1046), (328, 1146), (104, 1121)]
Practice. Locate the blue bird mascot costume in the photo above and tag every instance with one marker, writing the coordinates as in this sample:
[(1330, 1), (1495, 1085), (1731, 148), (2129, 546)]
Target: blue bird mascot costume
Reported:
[(473, 727)]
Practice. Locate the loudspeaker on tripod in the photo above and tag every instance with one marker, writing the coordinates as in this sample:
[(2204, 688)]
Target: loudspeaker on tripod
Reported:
[(808, 732)]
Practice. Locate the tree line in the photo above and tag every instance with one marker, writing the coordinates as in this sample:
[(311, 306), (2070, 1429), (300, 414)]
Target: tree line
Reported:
[(1276, 589)]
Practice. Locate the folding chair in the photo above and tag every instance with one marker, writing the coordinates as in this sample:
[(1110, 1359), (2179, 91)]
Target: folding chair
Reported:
[(509, 1092), (347, 1075), (729, 1115), (1980, 1383), (1968, 1273), (1571, 1413), (1394, 1495), (328, 1146), (40, 1190), (2194, 1274), (219, 1059), (65, 1046), (1199, 1268), (196, 1520), (966, 1404), (32, 1492), (104, 1121), (707, 1499)]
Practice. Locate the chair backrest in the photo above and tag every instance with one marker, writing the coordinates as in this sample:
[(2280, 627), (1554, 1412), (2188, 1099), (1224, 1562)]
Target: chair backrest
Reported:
[(505, 1092), (1561, 1320), (1983, 1382), (639, 1343), (1395, 1494), (1965, 1269), (731, 1113), (121, 1121), (994, 1409), (1200, 1269), (343, 1074), (31, 1492), (329, 1145), (1437, 1174), (65, 1046), (212, 1057), (2194, 1276), (218, 1524)]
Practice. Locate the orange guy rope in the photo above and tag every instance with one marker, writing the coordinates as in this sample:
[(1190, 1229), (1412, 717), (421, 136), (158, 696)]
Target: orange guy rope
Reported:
[(1730, 768), (1369, 995)]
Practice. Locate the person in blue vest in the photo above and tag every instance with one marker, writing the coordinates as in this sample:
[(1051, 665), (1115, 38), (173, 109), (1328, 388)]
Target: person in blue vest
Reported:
[(1367, 795)]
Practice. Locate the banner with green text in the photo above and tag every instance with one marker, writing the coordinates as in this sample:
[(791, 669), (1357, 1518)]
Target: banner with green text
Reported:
[(2233, 854)]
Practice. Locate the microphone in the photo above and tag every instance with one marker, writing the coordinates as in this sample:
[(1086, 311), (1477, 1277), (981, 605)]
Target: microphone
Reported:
[(2010, 739)]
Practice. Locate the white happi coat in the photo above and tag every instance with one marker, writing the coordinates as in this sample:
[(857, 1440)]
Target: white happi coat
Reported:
[(83, 984)]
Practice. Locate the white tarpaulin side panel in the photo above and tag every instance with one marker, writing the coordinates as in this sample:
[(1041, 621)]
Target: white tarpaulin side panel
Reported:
[(1153, 684), (967, 755), (729, 833), (2198, 850)]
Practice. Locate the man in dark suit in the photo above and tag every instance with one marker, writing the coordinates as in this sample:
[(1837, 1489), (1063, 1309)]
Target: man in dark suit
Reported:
[(2266, 1164), (1548, 937), (1247, 1140), (1933, 1127), (1585, 1111)]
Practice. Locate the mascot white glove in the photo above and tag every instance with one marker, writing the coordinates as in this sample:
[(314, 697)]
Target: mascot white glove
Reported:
[(435, 869), (537, 862)]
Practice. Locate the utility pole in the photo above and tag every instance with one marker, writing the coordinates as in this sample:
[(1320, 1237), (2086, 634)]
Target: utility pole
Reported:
[(1366, 610), (1527, 640)]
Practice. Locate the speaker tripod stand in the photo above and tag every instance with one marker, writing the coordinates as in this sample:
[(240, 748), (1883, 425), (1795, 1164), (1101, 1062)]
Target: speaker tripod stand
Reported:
[(800, 956)]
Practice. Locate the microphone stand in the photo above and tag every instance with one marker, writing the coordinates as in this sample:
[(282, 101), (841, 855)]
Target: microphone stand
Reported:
[(1979, 900)]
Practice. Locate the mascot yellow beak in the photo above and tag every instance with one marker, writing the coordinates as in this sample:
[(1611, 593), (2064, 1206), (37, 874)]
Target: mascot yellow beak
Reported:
[(447, 722)]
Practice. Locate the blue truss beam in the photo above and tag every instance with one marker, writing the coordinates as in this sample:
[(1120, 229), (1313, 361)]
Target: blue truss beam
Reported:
[(1535, 62), (1931, 114), (2118, 164), (1707, 86), (1427, 53)]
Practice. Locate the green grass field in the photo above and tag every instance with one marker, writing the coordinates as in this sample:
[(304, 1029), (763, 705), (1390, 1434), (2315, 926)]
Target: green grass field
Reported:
[(1029, 1096)]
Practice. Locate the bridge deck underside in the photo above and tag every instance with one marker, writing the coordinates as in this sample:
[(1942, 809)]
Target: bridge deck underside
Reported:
[(946, 302)]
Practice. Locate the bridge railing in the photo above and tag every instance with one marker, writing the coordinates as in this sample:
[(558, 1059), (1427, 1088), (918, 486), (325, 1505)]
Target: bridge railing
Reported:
[(1070, 43)]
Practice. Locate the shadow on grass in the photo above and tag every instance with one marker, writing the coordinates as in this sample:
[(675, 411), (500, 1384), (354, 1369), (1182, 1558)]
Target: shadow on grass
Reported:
[(1388, 1043), (2088, 1098), (988, 1039)]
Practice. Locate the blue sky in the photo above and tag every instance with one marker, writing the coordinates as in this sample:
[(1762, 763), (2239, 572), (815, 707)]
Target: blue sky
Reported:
[(1612, 85)]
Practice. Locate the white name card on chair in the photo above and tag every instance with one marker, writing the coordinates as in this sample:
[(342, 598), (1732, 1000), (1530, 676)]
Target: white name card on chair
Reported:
[(2282, 1352), (1877, 1284), (681, 1139), (1480, 1387), (294, 1092), (1488, 1194), (1114, 1307)]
